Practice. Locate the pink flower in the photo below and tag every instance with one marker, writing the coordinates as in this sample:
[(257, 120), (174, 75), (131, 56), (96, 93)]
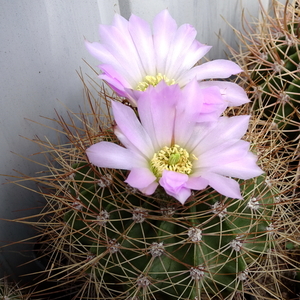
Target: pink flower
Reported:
[(133, 57), (179, 141)]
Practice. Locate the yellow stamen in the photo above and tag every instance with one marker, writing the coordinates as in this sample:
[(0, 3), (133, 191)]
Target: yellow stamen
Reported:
[(173, 158), (153, 80)]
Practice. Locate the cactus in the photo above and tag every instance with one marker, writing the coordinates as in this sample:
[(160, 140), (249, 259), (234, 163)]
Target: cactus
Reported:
[(155, 246), (11, 291), (109, 241), (270, 59)]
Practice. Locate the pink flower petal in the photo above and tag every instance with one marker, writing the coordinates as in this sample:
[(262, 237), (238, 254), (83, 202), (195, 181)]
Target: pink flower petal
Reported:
[(157, 113), (219, 68), (226, 152), (164, 29), (213, 105), (234, 127), (200, 132), (244, 168), (174, 185), (150, 189), (114, 74), (121, 23), (229, 159), (115, 85), (130, 131), (182, 41), (233, 94), (101, 53), (225, 186), (213, 101), (187, 112), (133, 96), (141, 35), (107, 57), (115, 80), (197, 183), (119, 43), (199, 105), (194, 54), (109, 155), (142, 179), (225, 129)]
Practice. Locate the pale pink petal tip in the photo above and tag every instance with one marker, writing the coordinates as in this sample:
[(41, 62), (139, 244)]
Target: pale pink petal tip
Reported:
[(142, 179), (175, 185), (110, 155)]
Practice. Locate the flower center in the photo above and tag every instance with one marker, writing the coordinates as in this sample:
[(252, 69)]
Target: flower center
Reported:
[(173, 158), (153, 80)]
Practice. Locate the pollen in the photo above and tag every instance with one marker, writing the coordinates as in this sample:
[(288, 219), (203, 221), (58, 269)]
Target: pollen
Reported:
[(173, 158), (154, 80)]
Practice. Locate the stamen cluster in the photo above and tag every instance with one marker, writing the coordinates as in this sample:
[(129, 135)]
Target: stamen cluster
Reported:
[(173, 158), (153, 80)]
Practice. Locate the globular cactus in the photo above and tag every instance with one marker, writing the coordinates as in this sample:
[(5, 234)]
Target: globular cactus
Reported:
[(155, 247), (109, 241), (270, 58)]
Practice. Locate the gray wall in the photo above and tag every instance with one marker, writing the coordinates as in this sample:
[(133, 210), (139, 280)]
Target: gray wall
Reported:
[(41, 48)]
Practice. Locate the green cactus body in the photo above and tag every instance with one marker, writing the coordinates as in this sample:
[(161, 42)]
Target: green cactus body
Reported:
[(154, 246), (273, 67)]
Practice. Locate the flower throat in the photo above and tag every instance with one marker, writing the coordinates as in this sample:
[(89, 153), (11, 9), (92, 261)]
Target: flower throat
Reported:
[(153, 80), (173, 158)]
